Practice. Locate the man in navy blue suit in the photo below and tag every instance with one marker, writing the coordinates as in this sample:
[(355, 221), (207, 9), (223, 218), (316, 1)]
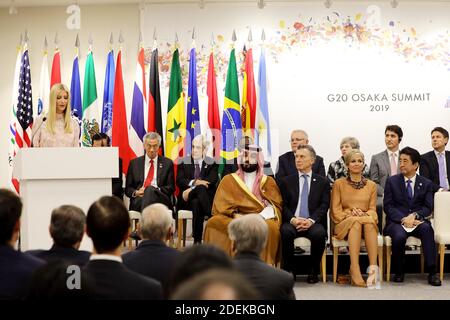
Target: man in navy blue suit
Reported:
[(408, 203), (306, 199), (16, 268)]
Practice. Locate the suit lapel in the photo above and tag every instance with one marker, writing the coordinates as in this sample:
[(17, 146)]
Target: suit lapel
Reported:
[(417, 186), (447, 161), (159, 170), (402, 186), (387, 164), (296, 191), (435, 164), (141, 169)]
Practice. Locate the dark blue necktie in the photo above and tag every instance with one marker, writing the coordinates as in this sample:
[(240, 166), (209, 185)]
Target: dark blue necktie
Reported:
[(409, 189)]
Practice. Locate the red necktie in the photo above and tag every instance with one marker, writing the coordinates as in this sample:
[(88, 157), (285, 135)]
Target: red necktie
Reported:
[(151, 173)]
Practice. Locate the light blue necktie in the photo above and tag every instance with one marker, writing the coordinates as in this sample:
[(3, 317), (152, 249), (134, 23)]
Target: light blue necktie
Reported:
[(409, 189), (442, 176), (304, 211)]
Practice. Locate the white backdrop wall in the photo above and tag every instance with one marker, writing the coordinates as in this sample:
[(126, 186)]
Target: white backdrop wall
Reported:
[(312, 53), (97, 21)]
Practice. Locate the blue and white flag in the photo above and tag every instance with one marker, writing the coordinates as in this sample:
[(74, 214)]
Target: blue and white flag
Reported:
[(108, 95)]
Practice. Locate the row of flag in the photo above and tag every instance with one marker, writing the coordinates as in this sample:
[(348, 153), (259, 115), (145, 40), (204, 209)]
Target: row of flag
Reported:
[(183, 124)]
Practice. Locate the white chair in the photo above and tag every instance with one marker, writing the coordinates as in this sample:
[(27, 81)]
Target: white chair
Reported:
[(134, 219), (442, 225), (410, 241), (303, 242), (344, 243), (183, 216)]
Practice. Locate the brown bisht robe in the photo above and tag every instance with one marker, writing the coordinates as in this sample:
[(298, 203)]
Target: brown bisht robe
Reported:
[(233, 197)]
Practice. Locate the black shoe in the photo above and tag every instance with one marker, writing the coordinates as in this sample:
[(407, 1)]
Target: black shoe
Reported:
[(134, 235), (399, 277), (433, 279), (299, 250), (312, 278)]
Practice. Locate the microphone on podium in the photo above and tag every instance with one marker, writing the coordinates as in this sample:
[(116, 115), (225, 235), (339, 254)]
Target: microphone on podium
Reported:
[(32, 136)]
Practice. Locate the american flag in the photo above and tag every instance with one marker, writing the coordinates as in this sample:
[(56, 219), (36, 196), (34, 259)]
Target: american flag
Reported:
[(24, 104)]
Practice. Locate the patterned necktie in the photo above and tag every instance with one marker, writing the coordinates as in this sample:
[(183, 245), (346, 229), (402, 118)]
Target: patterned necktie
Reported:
[(151, 173), (442, 175), (409, 189), (393, 165), (197, 171), (304, 211)]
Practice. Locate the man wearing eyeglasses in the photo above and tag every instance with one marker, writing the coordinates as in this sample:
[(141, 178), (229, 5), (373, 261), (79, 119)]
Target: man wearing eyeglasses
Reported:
[(286, 162)]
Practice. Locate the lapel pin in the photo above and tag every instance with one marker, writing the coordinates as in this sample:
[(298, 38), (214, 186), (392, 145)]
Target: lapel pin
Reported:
[(160, 165)]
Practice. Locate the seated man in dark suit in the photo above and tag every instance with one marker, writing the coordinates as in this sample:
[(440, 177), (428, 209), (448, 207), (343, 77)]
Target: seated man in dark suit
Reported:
[(67, 226), (435, 165), (16, 268), (408, 203), (108, 224), (197, 178), (232, 166), (150, 178), (103, 140), (249, 236), (152, 257), (306, 199), (286, 162)]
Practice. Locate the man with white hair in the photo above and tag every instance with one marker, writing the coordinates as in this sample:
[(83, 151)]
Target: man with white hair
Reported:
[(197, 178), (152, 257), (286, 162), (248, 236)]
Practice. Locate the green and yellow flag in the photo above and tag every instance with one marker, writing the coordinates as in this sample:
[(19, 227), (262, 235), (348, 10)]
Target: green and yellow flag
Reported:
[(176, 120), (231, 119)]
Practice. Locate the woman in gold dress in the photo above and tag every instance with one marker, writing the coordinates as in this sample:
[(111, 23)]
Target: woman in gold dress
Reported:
[(353, 211)]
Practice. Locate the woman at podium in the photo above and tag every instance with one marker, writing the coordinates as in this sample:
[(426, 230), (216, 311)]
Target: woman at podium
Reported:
[(57, 128)]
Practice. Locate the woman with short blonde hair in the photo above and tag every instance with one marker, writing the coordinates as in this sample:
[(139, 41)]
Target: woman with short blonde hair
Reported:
[(353, 212)]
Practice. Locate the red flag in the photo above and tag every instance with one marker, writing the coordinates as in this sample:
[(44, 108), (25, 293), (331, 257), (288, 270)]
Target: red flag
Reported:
[(154, 101), (119, 122), (249, 95), (213, 108), (56, 69)]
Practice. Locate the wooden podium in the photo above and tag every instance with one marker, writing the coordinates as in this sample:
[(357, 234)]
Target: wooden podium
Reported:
[(50, 177)]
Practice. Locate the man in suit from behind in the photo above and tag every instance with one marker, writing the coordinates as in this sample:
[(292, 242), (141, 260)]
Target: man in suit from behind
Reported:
[(249, 236), (150, 178), (16, 268), (385, 164), (197, 179), (67, 227), (306, 199), (103, 140), (108, 226), (435, 165), (152, 257), (286, 162), (408, 203)]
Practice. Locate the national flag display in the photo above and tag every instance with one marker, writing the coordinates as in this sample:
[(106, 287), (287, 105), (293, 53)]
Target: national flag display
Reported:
[(108, 94), (213, 109), (154, 100), (90, 124), (176, 121), (56, 68), (139, 104), (248, 111), (75, 88), (193, 112), (263, 120), (44, 85)]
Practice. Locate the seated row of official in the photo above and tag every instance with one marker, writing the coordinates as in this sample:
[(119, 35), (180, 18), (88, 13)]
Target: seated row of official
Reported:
[(408, 202)]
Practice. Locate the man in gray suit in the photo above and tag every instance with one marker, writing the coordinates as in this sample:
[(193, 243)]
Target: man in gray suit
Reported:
[(385, 164)]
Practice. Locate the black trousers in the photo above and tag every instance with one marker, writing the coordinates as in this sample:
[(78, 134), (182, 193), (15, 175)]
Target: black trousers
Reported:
[(151, 196), (316, 234), (424, 232), (199, 202)]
